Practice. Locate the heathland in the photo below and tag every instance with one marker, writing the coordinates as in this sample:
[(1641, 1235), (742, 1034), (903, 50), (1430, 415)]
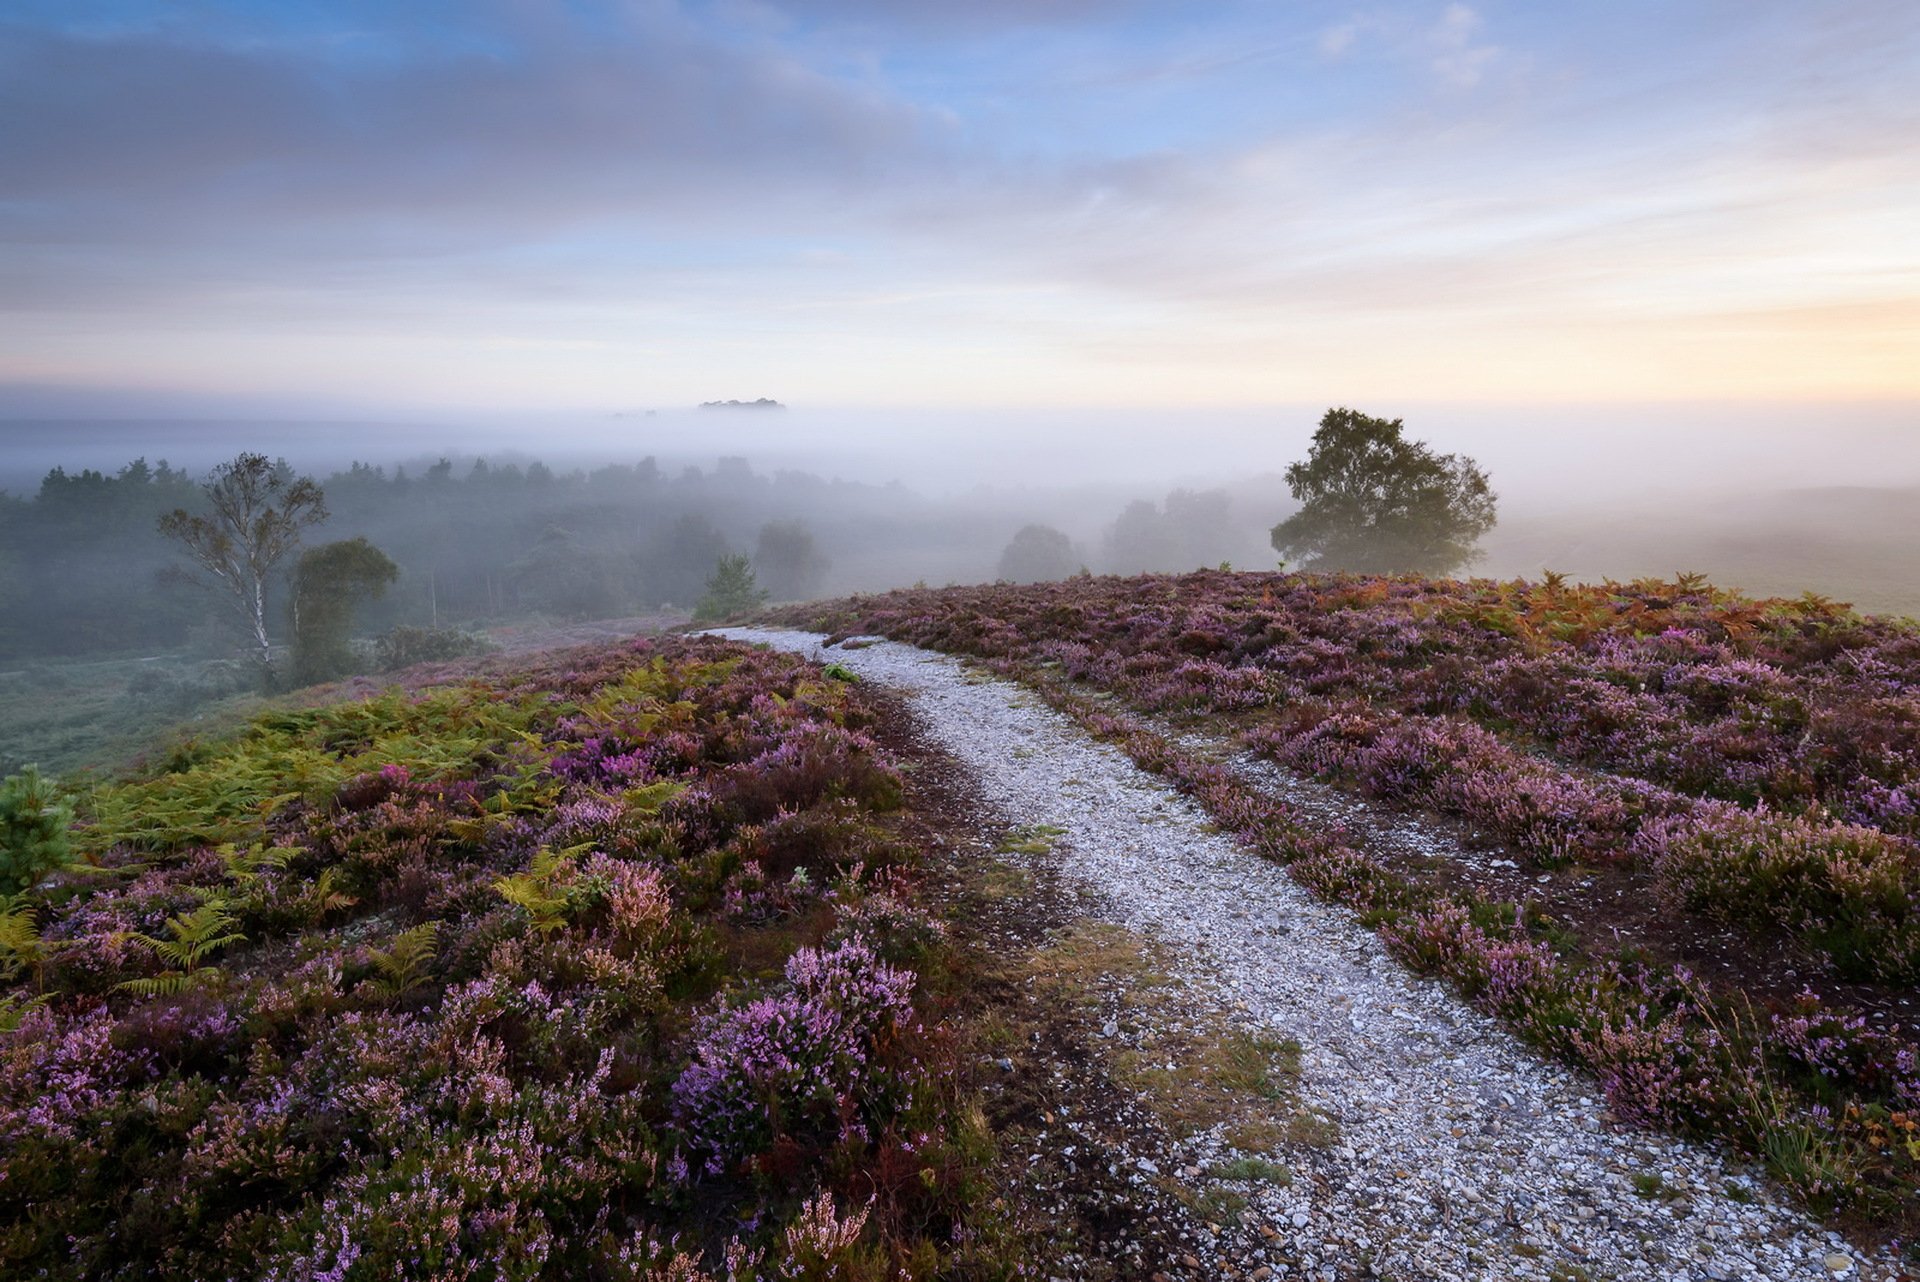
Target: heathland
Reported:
[(672, 957)]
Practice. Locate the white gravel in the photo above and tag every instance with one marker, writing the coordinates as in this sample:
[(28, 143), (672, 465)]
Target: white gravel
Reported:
[(1461, 1153)]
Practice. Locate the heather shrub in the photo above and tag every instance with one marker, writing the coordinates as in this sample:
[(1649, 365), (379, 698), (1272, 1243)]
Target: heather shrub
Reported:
[(804, 1065), (1849, 891), (1759, 760), (1642, 1037), (413, 986)]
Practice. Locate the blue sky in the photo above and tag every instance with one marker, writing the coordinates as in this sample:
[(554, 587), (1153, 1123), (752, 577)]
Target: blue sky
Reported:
[(998, 202)]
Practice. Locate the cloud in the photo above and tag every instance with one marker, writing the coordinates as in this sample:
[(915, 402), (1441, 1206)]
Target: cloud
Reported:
[(961, 14), (1336, 40), (143, 139), (576, 193), (1458, 58)]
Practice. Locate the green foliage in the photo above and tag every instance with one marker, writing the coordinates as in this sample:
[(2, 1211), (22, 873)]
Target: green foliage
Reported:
[(326, 897), (406, 964), (14, 1008), (223, 1105), (256, 511), (402, 647), (33, 830), (560, 576), (1372, 502), (538, 891), (788, 561), (1038, 554), (245, 866), (229, 795), (1190, 528), (21, 947), (328, 583), (192, 939), (648, 798), (731, 591)]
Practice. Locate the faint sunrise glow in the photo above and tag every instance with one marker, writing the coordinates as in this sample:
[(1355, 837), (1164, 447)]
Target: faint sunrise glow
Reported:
[(597, 206)]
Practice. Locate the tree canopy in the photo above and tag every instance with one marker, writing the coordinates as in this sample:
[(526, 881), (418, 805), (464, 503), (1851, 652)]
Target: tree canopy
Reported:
[(328, 583), (788, 561), (1373, 502), (257, 511), (732, 590), (1038, 554)]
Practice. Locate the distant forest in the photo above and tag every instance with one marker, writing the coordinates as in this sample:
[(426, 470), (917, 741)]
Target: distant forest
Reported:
[(83, 570)]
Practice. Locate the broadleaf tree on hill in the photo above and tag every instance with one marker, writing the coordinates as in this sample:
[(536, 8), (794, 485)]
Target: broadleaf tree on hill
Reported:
[(1037, 554), (329, 583), (1373, 502)]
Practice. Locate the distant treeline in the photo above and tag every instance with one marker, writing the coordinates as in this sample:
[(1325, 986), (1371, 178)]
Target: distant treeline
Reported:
[(84, 571)]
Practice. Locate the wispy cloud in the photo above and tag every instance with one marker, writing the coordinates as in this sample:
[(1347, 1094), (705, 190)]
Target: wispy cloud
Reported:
[(999, 196), (1460, 57)]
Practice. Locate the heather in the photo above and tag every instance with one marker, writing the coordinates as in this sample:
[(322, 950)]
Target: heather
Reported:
[(607, 966), (1561, 719), (1748, 764)]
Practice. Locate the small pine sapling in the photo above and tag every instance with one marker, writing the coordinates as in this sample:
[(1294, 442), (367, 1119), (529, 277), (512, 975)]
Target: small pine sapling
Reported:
[(732, 590), (33, 830)]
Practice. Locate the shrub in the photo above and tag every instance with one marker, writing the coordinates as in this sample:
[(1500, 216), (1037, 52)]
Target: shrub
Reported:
[(802, 1065), (402, 987), (33, 830), (1851, 892), (732, 590), (402, 647)]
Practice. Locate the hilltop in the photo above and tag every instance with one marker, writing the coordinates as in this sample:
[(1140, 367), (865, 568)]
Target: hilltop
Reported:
[(1683, 822), (1094, 939)]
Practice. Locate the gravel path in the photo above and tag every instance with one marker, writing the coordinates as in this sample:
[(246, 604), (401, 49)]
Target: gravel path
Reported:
[(1461, 1154)]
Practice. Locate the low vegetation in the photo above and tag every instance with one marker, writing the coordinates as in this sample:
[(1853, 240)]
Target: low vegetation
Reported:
[(607, 966), (1754, 764)]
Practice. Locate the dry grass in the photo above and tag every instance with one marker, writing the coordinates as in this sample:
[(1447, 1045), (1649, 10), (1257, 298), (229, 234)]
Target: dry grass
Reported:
[(1032, 839), (1195, 1069)]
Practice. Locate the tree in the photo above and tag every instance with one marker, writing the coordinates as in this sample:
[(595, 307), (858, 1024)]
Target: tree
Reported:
[(1195, 529), (328, 583), (259, 509), (1375, 503), (558, 575), (1037, 554), (675, 564), (787, 560), (732, 590), (34, 820)]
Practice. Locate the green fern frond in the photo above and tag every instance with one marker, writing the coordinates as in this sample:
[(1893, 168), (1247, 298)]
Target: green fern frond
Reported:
[(535, 891), (525, 891), (649, 798), (166, 984), (245, 866), (324, 898), (195, 937), (404, 966), (14, 1008), (20, 941)]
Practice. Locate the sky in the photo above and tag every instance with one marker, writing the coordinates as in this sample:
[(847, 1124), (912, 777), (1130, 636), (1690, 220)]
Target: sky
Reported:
[(499, 206)]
